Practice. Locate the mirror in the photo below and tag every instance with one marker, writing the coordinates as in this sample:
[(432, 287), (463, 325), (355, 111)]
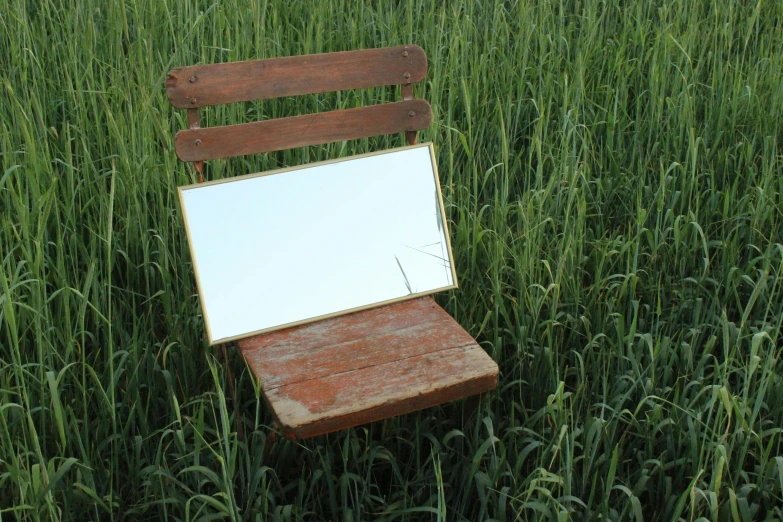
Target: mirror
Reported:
[(295, 245)]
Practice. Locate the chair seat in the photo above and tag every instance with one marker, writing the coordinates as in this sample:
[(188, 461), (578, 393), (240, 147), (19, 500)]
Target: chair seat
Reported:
[(365, 366)]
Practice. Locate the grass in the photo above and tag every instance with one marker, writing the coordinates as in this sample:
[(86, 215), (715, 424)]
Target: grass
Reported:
[(612, 173)]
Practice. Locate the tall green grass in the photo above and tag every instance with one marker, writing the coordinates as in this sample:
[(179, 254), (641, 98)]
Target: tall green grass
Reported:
[(613, 177)]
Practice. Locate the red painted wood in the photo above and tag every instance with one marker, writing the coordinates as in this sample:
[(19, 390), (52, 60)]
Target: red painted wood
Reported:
[(366, 366), (343, 400), (294, 365), (300, 131), (344, 328), (217, 84)]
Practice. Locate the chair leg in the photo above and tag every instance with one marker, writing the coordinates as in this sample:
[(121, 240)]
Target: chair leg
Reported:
[(271, 439), (471, 405), (232, 390)]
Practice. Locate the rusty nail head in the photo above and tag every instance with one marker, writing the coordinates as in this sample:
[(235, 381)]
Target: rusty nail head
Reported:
[(198, 143), (411, 114), (193, 101), (192, 79), (407, 76), (405, 54)]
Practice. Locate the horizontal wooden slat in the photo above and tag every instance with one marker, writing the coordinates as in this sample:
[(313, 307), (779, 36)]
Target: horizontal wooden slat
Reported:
[(300, 131), (216, 84), (341, 329), (343, 400), (365, 352)]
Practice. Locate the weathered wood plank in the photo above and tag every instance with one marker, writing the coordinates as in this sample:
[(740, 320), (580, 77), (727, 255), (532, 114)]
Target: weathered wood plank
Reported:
[(281, 367), (343, 400), (373, 321), (352, 341), (216, 84), (300, 131), (365, 366)]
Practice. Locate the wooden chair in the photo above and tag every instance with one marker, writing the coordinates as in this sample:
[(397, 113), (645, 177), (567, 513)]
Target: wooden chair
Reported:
[(365, 366)]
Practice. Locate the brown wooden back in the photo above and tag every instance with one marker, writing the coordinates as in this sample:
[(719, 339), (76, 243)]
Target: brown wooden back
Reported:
[(204, 85)]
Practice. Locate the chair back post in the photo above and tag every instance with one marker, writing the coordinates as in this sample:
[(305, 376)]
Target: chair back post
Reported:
[(407, 94), (204, 85), (194, 122)]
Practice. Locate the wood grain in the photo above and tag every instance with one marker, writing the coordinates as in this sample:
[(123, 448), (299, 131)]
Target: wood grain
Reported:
[(294, 363), (341, 329), (300, 131), (366, 366), (343, 400), (216, 84)]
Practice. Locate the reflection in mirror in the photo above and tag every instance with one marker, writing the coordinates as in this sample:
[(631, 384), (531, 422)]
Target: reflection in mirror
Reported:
[(295, 245)]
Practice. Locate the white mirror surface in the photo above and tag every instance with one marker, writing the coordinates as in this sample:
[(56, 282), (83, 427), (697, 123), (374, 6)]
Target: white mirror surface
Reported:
[(286, 247)]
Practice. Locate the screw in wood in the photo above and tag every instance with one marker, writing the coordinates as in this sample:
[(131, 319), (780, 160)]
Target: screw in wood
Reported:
[(407, 76), (198, 143), (405, 54), (411, 114), (193, 101), (192, 79)]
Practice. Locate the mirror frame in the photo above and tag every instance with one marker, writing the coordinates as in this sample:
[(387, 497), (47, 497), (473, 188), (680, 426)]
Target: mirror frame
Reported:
[(182, 189)]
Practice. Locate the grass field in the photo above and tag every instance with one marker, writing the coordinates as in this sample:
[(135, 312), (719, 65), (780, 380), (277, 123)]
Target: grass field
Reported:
[(613, 176)]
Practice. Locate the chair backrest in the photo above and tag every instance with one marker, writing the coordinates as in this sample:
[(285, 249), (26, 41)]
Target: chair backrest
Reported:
[(204, 85)]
